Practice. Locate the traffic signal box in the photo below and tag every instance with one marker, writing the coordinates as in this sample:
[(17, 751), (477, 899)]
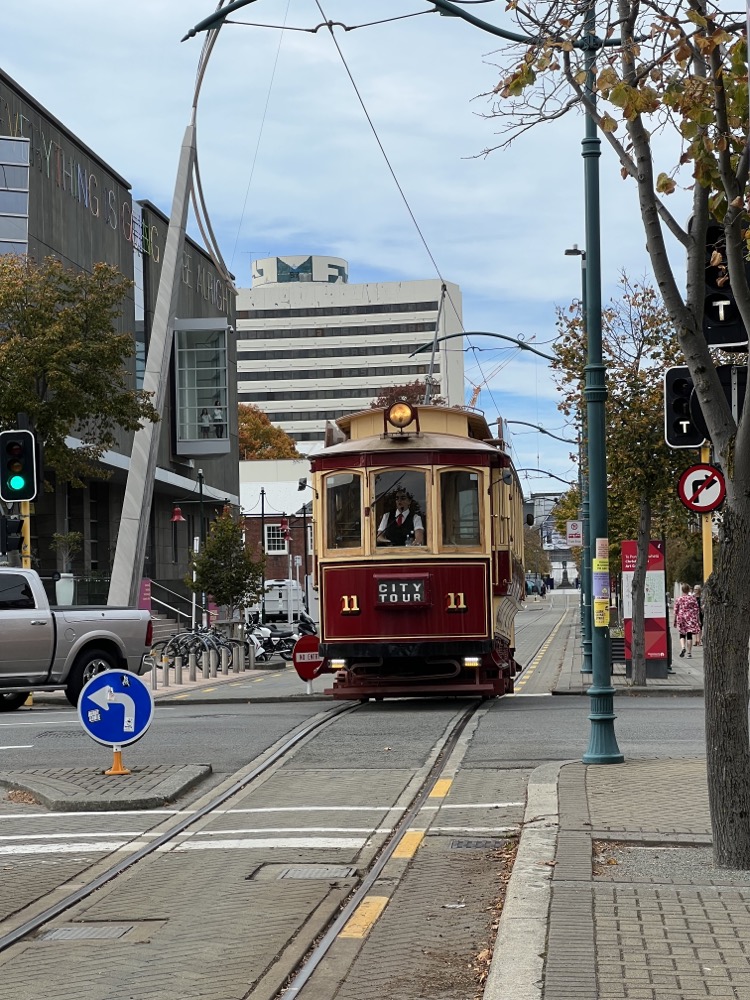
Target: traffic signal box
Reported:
[(11, 534), (684, 426), (722, 325), (18, 471)]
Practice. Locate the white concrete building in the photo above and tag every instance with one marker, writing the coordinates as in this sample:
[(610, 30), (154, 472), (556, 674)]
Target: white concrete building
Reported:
[(311, 347)]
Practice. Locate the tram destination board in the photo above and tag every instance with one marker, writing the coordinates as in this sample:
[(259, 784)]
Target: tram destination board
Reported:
[(402, 590)]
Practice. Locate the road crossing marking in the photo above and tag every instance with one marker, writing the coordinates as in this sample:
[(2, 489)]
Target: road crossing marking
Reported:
[(272, 842), (361, 921), (539, 656)]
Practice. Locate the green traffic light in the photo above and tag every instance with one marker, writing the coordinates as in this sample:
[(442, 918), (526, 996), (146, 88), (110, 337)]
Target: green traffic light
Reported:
[(16, 482)]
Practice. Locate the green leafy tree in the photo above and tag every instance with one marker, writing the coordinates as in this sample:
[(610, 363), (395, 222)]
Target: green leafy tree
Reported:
[(678, 67), (637, 345), (260, 439), (63, 364), (535, 558), (408, 392), (224, 567)]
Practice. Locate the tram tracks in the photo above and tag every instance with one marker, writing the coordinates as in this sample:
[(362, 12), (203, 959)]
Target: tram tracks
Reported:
[(402, 829), (69, 900), (296, 970)]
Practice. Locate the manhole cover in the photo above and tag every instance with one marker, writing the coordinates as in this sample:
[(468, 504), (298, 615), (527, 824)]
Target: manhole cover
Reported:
[(481, 844), (318, 871), (79, 932)]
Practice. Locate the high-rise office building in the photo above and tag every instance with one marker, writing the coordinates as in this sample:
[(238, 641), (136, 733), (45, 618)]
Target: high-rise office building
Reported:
[(311, 347)]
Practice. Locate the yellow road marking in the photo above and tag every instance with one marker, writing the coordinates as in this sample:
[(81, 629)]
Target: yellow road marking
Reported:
[(441, 788), (408, 844), (364, 917), (540, 655)]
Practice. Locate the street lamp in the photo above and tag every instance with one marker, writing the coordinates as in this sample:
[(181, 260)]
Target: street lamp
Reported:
[(602, 748)]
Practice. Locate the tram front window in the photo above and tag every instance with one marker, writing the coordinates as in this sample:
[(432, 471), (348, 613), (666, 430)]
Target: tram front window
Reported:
[(344, 511), (400, 505), (459, 502)]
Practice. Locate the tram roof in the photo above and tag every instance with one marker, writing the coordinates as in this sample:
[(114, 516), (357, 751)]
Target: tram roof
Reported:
[(441, 428)]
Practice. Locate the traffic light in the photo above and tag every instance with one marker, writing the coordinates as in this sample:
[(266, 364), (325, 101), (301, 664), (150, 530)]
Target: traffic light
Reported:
[(18, 474), (722, 324), (11, 534), (681, 430)]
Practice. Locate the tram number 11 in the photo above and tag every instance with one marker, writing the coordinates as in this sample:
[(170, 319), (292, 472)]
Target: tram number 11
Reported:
[(349, 604), (456, 602)]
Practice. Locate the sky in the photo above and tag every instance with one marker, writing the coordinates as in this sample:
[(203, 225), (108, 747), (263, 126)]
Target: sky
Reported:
[(290, 165)]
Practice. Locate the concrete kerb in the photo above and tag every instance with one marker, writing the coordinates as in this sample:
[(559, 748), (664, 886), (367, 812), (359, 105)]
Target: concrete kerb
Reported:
[(524, 921)]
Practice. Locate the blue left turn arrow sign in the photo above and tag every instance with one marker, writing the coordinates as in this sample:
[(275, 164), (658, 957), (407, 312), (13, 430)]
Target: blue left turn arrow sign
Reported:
[(115, 708)]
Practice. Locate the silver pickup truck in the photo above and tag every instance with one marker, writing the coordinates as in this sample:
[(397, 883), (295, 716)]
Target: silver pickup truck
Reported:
[(53, 649)]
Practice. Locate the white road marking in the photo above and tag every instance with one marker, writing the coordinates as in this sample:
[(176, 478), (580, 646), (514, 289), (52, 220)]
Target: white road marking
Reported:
[(281, 809), (62, 848), (40, 722), (473, 829), (19, 746), (275, 842)]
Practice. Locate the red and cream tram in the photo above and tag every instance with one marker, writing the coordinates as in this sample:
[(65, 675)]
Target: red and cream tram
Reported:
[(418, 519)]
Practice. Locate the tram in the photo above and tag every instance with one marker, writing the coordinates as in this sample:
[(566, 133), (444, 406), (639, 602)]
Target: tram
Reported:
[(418, 521)]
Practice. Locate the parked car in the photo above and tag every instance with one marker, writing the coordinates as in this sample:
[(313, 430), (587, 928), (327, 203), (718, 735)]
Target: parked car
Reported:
[(51, 649)]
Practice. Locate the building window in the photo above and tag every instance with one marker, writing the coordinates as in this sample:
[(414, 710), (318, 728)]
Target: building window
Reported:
[(275, 542), (14, 195), (202, 390)]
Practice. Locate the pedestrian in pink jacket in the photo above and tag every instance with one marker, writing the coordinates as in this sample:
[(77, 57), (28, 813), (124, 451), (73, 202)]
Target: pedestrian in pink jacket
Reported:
[(687, 618)]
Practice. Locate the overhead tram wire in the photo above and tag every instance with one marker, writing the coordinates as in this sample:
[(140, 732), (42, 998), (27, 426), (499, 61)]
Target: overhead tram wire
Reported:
[(330, 25)]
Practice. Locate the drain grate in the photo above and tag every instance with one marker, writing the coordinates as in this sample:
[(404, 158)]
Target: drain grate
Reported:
[(80, 932), (480, 844), (59, 734), (318, 871)]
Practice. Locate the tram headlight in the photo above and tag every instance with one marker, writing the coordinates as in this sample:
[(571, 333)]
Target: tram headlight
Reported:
[(335, 665), (472, 661), (400, 414)]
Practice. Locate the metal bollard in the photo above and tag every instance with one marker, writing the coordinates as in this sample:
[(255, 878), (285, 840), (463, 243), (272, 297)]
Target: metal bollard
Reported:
[(238, 658), (192, 665), (251, 656), (204, 664), (178, 670), (224, 660), (154, 682), (165, 671), (214, 661)]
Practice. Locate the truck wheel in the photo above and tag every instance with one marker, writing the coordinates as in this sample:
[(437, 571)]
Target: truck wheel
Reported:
[(93, 661), (10, 702)]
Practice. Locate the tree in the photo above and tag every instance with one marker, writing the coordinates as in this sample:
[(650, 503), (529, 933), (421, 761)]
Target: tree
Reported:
[(535, 558), (63, 364), (679, 66), (637, 345), (224, 567), (259, 439), (409, 392)]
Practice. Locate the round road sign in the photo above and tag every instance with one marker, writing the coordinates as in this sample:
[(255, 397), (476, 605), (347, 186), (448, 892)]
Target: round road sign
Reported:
[(702, 488), (115, 707), (307, 660)]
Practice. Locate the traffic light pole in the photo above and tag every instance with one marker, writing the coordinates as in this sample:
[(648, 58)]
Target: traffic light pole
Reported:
[(26, 535)]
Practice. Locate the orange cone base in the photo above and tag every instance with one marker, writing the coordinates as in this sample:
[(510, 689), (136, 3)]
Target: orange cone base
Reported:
[(117, 767)]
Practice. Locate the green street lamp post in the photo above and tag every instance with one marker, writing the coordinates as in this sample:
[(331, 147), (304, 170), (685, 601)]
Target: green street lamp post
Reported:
[(603, 748)]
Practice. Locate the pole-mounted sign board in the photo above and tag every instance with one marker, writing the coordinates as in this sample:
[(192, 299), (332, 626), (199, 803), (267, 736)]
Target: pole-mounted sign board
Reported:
[(702, 488), (115, 708)]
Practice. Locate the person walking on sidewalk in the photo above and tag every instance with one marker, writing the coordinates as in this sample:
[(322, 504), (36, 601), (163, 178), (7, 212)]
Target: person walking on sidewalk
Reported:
[(687, 619), (698, 591)]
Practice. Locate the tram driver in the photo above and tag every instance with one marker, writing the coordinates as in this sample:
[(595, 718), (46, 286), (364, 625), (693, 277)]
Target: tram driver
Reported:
[(402, 526)]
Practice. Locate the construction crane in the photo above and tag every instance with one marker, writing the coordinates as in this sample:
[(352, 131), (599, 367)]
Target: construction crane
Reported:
[(478, 388)]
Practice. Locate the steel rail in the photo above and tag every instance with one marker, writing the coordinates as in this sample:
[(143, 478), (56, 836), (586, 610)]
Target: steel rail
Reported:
[(328, 939), (34, 923)]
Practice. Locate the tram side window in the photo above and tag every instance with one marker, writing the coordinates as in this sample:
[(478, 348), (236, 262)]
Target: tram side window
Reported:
[(344, 511), (400, 502), (459, 501)]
